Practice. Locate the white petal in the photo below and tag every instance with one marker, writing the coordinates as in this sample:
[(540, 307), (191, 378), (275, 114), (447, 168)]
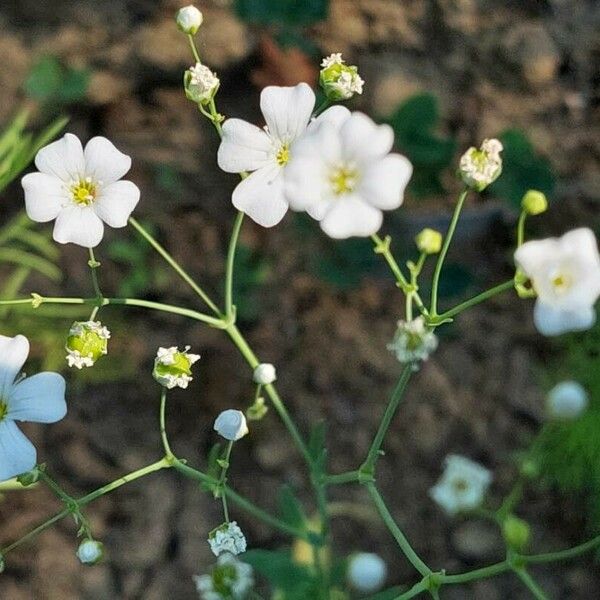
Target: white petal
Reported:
[(384, 181), (78, 225), (532, 256), (363, 140), (116, 202), (552, 321), (17, 453), (44, 196), (103, 162), (351, 216), (261, 196), (582, 242), (13, 354), (305, 181), (63, 158), (244, 147), (335, 115), (39, 399), (287, 110)]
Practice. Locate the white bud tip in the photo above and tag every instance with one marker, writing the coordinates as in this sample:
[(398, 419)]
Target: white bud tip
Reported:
[(265, 374), (367, 572), (189, 19), (231, 424)]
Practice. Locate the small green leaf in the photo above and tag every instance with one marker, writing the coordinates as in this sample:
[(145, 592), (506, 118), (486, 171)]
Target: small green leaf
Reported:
[(290, 508), (45, 79), (279, 569)]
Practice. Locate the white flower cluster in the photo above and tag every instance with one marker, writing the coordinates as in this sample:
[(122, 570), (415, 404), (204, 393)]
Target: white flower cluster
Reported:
[(481, 167), (230, 579), (38, 399), (200, 83), (87, 341), (172, 368), (463, 485), (566, 401), (413, 341), (338, 80), (565, 274), (227, 537)]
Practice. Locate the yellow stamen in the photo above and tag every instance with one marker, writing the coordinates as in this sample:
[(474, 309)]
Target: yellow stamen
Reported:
[(83, 192), (283, 155), (343, 180), (3, 410)]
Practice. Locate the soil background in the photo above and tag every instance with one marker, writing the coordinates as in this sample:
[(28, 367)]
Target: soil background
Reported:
[(531, 64)]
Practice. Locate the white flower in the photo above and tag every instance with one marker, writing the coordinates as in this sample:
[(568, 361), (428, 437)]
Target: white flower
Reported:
[(413, 341), (266, 152), (200, 83), (39, 399), (87, 342), (332, 59), (265, 374), (230, 579), (462, 486), (481, 167), (567, 400), (90, 552), (228, 537), (172, 368), (338, 80), (81, 189), (231, 424), (366, 572), (342, 173), (189, 19), (565, 274)]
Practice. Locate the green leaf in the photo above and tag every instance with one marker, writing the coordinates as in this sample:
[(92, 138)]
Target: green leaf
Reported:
[(279, 569), (522, 169), (290, 508), (45, 79), (282, 12)]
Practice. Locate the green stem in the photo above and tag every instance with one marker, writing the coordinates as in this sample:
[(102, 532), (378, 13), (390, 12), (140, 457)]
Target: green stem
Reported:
[(476, 574), (373, 454), (530, 583), (237, 226), (400, 538), (442, 256), (163, 425), (562, 554), (223, 480), (175, 265), (349, 477), (194, 49), (415, 590), (521, 228)]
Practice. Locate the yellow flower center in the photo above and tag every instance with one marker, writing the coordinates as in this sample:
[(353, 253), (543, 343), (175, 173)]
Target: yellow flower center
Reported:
[(83, 192), (343, 180), (460, 485), (3, 410), (560, 283), (283, 155)]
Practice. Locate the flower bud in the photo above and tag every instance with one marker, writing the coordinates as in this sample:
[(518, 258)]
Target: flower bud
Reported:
[(566, 401), (479, 168), (29, 478), (231, 424), (530, 469), (534, 202), (172, 368), (339, 81), (87, 342), (429, 241), (516, 532), (258, 410), (413, 341), (366, 572), (265, 374), (90, 552), (227, 537), (189, 19), (200, 84)]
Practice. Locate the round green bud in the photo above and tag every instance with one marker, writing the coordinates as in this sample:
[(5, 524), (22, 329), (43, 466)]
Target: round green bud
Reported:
[(86, 343), (173, 368), (29, 478), (516, 532), (530, 469), (534, 202), (429, 241)]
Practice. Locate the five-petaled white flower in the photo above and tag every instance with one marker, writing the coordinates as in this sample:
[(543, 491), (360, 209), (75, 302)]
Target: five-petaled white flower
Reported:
[(39, 399), (81, 189), (342, 174), (266, 152), (565, 274), (463, 485)]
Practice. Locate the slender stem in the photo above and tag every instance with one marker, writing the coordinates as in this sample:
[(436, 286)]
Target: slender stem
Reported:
[(415, 590), (482, 573), (373, 454), (94, 264), (349, 477), (223, 479), (400, 538), (521, 228), (237, 226), (175, 265), (194, 49), (442, 256), (562, 554), (163, 424), (530, 583)]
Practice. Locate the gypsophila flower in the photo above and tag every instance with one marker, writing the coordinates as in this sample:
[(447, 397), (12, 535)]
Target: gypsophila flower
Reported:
[(479, 168), (413, 341), (534, 202), (227, 537), (86, 343), (172, 368), (39, 399), (189, 19), (230, 579), (338, 80), (90, 552), (81, 189), (366, 572), (200, 84), (463, 485), (231, 424), (567, 400), (429, 241), (342, 174), (565, 274), (264, 374)]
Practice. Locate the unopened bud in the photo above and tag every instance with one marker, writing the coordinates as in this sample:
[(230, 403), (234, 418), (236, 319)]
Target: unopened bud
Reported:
[(429, 241), (534, 202), (90, 552), (29, 478), (338, 80), (231, 424), (516, 532), (189, 19), (265, 374), (200, 84)]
